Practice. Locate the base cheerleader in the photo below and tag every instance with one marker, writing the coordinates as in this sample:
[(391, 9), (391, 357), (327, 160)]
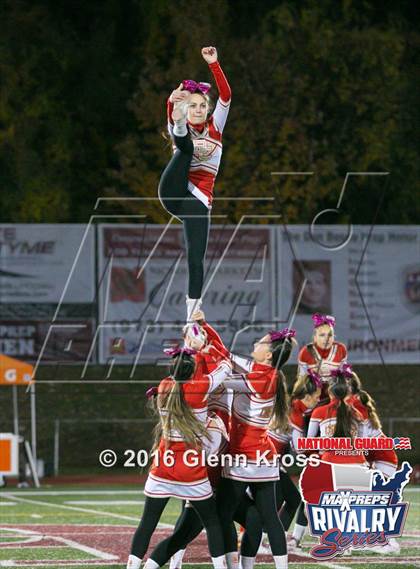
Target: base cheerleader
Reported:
[(339, 418), (384, 460), (259, 399), (182, 404)]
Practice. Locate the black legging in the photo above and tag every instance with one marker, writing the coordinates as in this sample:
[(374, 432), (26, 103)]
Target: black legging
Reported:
[(153, 509), (179, 201), (287, 495), (301, 519), (189, 526), (230, 495), (288, 499)]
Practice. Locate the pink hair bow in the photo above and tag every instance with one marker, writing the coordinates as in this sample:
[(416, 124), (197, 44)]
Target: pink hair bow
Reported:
[(321, 319), (315, 378), (173, 352), (151, 392), (345, 370), (192, 86), (286, 333)]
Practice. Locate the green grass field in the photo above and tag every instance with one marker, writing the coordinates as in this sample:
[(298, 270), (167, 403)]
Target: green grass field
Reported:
[(91, 526)]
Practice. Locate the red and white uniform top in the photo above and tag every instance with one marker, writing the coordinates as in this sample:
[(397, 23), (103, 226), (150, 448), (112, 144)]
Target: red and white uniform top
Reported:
[(178, 477), (298, 420), (196, 390), (220, 400), (279, 439), (323, 422), (254, 394), (207, 141), (382, 459), (323, 361)]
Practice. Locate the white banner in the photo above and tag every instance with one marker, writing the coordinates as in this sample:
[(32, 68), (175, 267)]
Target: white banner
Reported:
[(371, 285), (143, 271), (36, 260)]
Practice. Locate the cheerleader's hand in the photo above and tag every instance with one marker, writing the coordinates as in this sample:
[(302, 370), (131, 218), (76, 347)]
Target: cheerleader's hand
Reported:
[(179, 95), (199, 316), (209, 54)]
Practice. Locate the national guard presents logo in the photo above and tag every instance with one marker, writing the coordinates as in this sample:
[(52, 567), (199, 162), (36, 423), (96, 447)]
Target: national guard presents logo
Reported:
[(351, 506)]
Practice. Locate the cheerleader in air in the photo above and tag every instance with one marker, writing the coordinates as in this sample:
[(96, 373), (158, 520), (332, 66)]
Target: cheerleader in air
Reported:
[(186, 185), (323, 354), (259, 399), (182, 405)]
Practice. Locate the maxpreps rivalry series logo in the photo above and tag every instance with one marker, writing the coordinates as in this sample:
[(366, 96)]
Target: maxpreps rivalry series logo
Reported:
[(351, 506)]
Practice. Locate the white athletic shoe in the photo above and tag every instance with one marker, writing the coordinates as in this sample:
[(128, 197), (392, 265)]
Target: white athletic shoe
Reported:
[(391, 548), (294, 545), (180, 110), (193, 305), (133, 562)]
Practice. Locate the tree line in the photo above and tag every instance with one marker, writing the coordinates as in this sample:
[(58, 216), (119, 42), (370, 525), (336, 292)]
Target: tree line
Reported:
[(321, 87)]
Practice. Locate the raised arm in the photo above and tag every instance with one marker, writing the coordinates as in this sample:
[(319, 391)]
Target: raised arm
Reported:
[(225, 94), (210, 56), (213, 337)]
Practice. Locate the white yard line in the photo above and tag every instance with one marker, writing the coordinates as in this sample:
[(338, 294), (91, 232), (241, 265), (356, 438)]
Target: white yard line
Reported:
[(86, 549), (105, 502), (84, 510), (29, 535)]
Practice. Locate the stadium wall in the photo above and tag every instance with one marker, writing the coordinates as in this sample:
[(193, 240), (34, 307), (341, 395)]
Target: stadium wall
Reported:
[(87, 410)]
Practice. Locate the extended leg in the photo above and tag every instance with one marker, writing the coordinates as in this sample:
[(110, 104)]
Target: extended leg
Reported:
[(196, 233), (173, 185)]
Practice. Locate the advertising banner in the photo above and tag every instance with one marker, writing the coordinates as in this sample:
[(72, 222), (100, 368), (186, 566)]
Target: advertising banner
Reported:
[(371, 285), (143, 275), (35, 264)]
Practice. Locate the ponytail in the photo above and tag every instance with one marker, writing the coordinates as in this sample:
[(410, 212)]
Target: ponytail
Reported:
[(370, 405), (345, 422), (279, 416), (304, 385), (280, 352), (281, 348), (366, 400), (178, 414)]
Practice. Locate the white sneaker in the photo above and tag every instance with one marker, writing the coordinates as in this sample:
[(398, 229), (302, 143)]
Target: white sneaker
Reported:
[(193, 305), (180, 110), (294, 544), (391, 548)]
